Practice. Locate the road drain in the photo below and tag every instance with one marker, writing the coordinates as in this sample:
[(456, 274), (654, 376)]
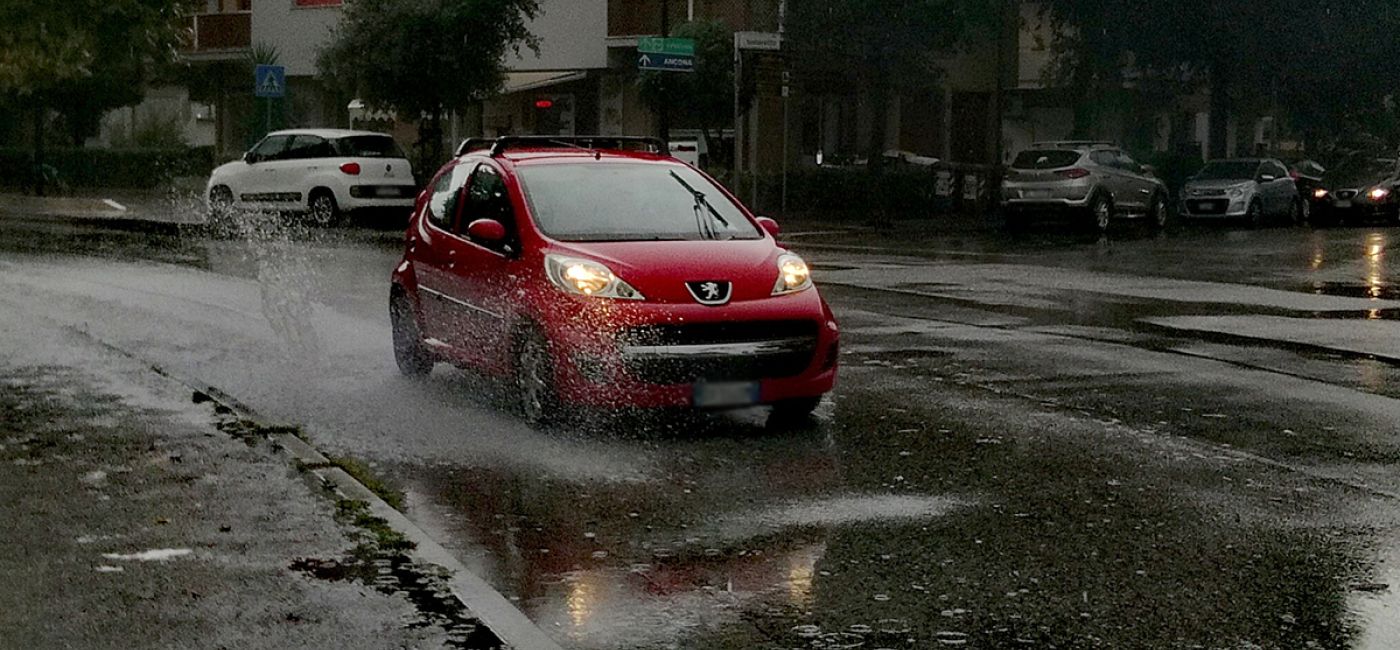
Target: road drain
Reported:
[(396, 575)]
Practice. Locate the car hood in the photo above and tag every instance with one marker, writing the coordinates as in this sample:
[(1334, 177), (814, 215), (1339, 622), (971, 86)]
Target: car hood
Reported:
[(227, 168), (1355, 181), (661, 269)]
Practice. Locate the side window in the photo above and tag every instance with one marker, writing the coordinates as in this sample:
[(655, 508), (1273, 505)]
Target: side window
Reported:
[(1281, 171), (1104, 158), (306, 146), (271, 147), (489, 198), (447, 196), (1127, 163)]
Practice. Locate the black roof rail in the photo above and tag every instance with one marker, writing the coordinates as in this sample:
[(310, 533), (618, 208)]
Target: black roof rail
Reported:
[(502, 144)]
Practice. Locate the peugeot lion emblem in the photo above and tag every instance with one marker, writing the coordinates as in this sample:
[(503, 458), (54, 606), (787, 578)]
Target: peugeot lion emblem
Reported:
[(710, 292)]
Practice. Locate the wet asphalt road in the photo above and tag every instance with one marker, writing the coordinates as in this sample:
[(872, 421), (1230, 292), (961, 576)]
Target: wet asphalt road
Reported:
[(1041, 441)]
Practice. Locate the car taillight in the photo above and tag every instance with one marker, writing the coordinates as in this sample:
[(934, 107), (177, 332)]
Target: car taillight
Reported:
[(1073, 173), (351, 168)]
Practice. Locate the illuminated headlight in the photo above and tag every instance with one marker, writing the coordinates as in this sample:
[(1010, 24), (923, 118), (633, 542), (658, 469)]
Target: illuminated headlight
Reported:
[(1378, 194), (587, 278), (793, 275), (1320, 193)]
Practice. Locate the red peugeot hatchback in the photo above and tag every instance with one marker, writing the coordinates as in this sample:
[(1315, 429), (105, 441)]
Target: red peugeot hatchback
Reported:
[(601, 272)]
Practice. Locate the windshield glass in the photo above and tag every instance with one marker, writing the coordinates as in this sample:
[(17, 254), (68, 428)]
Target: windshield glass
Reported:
[(1045, 159), (630, 202), (1228, 171), (1362, 168), (369, 146)]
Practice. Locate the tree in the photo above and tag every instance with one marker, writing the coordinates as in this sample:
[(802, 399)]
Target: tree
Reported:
[(878, 48), (704, 97), (83, 58), (422, 58), (1322, 62)]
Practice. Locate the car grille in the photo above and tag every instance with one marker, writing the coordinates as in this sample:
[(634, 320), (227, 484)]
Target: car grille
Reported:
[(1347, 195), (1208, 206), (787, 349), (1207, 192)]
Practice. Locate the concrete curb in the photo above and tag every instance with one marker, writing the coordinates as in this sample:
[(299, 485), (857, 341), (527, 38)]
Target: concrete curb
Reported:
[(494, 610)]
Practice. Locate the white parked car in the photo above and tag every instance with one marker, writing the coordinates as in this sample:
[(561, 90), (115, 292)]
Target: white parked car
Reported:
[(320, 172)]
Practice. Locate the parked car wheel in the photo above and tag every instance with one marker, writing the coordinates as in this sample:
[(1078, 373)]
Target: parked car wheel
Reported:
[(1302, 212), (534, 380), (1158, 212), (324, 210), (1101, 213), (411, 355), (1255, 216), (220, 203)]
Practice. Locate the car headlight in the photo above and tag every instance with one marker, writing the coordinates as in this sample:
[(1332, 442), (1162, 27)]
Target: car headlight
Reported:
[(1378, 194), (587, 278), (793, 275), (1320, 193), (1236, 192)]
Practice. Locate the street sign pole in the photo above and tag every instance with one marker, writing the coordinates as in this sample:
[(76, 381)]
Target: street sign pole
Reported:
[(738, 118), (665, 126)]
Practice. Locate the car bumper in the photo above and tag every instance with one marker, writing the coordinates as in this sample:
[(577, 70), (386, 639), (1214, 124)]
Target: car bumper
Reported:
[(618, 355), (1214, 208), (1041, 196)]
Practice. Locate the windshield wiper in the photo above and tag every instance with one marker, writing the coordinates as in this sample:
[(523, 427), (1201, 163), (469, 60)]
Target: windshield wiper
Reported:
[(702, 205)]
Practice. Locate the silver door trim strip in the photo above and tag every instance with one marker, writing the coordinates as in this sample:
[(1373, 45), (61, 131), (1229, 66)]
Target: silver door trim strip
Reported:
[(462, 303)]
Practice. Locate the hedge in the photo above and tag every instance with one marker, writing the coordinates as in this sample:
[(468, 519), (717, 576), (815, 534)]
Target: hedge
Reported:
[(107, 168)]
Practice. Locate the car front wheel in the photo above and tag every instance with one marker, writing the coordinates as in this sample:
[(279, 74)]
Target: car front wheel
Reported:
[(534, 381), (1101, 213), (324, 209)]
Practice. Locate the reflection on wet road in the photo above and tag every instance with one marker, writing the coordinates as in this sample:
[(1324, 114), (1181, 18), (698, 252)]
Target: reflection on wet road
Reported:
[(1165, 442)]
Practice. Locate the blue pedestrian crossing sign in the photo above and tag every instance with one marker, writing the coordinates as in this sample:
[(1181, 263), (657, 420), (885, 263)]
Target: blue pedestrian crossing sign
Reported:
[(270, 81)]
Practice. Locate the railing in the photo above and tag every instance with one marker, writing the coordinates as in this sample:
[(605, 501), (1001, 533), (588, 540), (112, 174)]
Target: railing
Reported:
[(218, 33)]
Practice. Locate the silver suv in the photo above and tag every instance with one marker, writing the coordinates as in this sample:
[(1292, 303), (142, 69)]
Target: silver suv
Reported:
[(1093, 179)]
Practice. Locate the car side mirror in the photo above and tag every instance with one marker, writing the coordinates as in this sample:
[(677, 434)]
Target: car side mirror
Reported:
[(770, 226), (487, 231), (250, 158), (1147, 170)]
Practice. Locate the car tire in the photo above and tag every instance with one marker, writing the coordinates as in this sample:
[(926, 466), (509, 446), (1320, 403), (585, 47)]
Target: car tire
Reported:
[(796, 411), (220, 206), (1100, 213), (1255, 214), (538, 400), (1017, 221), (410, 354), (1158, 213), (1302, 212), (324, 210)]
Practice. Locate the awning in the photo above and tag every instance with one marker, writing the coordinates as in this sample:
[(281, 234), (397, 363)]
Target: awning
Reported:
[(522, 81)]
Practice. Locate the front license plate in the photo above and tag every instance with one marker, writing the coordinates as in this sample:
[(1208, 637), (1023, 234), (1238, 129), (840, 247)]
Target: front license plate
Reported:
[(1343, 204), (726, 394)]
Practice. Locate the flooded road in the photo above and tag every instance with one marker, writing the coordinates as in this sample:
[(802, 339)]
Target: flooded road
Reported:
[(1177, 441)]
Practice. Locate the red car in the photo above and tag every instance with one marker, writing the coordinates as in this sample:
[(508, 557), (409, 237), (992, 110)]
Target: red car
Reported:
[(601, 272)]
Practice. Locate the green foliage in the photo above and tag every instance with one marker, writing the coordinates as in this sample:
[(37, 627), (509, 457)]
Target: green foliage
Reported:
[(85, 57), (109, 168), (424, 57), (706, 96)]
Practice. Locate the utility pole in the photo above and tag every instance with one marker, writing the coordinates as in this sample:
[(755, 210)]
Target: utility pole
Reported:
[(665, 117)]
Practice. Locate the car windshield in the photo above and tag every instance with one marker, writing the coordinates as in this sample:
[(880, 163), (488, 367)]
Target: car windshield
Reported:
[(1228, 171), (1362, 169), (631, 202), (1045, 159), (369, 146)]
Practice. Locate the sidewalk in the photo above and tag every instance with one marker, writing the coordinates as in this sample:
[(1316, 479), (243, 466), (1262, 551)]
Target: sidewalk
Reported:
[(130, 206), (132, 521)]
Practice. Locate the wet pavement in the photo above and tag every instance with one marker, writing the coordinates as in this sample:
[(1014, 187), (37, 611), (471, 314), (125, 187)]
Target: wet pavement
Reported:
[(1185, 440)]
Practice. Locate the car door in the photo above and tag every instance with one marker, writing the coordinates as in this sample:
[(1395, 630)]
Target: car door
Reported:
[(1274, 185), (1137, 183), (483, 283), (432, 250), (1106, 165), (287, 175), (254, 185)]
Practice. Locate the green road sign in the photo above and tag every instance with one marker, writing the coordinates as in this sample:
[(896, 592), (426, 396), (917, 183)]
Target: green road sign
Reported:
[(667, 46)]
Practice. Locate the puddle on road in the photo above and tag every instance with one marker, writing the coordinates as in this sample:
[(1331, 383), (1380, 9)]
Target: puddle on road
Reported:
[(398, 576)]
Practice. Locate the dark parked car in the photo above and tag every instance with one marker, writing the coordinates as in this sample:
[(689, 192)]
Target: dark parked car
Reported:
[(1358, 189)]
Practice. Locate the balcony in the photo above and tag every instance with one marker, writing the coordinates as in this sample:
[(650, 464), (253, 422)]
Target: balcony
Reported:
[(219, 36)]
